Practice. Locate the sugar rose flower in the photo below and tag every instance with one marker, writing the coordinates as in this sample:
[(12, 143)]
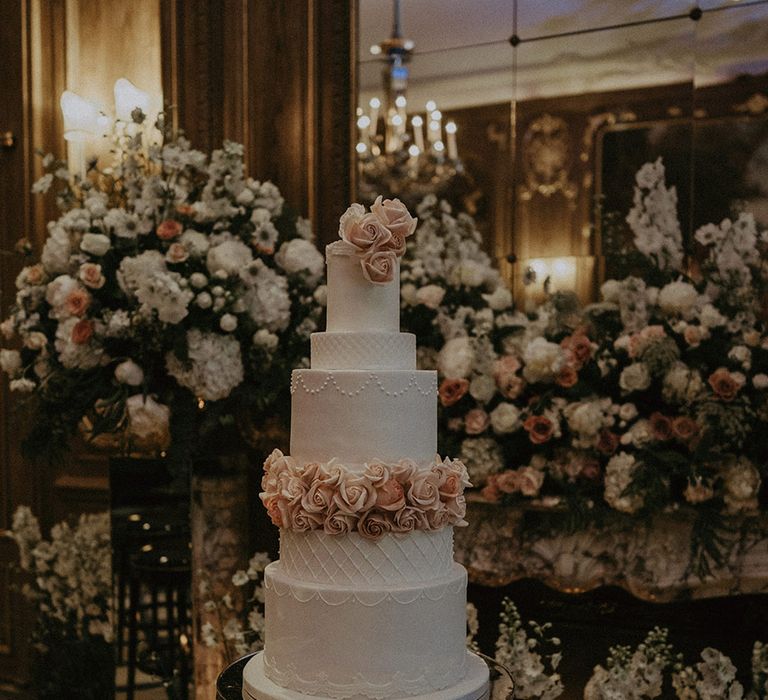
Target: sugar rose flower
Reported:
[(366, 233), (476, 421), (339, 523), (355, 495), (318, 498), (377, 473), (300, 520), (438, 518), (374, 525), (395, 216), (451, 391), (724, 383), (379, 267), (390, 495), (275, 508), (409, 519), (539, 428), (424, 490)]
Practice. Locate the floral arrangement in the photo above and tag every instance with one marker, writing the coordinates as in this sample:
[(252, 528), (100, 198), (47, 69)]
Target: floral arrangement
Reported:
[(173, 294), (453, 299), (651, 398), (383, 498), (68, 578), (239, 632), (377, 238)]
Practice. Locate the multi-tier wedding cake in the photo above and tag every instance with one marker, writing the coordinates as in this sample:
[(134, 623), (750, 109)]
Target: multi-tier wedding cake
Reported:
[(365, 600)]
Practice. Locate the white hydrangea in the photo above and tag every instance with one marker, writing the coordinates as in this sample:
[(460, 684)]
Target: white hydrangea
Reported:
[(586, 419), (134, 270), (682, 384), (215, 366), (57, 250), (266, 299), (678, 298), (542, 360), (299, 255), (163, 293), (619, 474), (457, 357), (230, 256)]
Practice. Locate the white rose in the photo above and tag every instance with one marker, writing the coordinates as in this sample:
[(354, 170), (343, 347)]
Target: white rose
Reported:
[(95, 243), (584, 418), (482, 388), (408, 294), (128, 372), (760, 381), (264, 339), (228, 323), (198, 280), (230, 256), (148, 422), (431, 296), (320, 295), (505, 418), (10, 361), (456, 358), (471, 273), (635, 377), (35, 340), (204, 300), (741, 354), (677, 298), (500, 299)]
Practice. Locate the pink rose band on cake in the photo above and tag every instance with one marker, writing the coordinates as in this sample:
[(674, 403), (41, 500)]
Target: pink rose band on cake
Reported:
[(377, 237), (383, 498)]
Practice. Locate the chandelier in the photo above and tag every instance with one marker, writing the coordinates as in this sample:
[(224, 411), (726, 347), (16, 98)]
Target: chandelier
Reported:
[(400, 154)]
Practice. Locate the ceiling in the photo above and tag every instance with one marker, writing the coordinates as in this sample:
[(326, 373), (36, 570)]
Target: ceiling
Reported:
[(463, 56)]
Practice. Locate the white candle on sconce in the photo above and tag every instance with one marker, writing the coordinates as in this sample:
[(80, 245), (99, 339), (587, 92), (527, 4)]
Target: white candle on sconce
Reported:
[(450, 130), (84, 123), (128, 98), (418, 134), (433, 131), (375, 105), (363, 125), (413, 152)]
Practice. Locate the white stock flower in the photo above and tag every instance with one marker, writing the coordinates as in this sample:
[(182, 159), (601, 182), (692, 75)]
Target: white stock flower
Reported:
[(408, 294), (471, 273), (215, 366), (320, 295), (585, 419), (456, 358)]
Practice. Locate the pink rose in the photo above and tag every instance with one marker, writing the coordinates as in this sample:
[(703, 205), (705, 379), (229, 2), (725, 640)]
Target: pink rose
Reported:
[(77, 301), (508, 482), (424, 490), (476, 421), (390, 495), (301, 521), (395, 216), (685, 428), (539, 428), (276, 509), (451, 391), (177, 253), (410, 519), (607, 442), (373, 525), (318, 498), (661, 426), (168, 229), (567, 377), (692, 335), (90, 275), (580, 348), (377, 473), (510, 385), (508, 364), (379, 267), (338, 523), (366, 233), (355, 495), (724, 384), (34, 274), (530, 481), (82, 332), (491, 491)]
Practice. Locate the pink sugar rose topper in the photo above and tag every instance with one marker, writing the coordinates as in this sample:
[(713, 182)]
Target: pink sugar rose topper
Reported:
[(377, 237)]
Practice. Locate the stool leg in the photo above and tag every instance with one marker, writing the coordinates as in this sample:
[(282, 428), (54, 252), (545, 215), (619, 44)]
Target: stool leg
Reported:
[(133, 605), (170, 630), (184, 664)]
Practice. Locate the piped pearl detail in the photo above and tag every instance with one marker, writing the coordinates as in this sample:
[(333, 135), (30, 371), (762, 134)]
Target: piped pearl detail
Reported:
[(298, 382)]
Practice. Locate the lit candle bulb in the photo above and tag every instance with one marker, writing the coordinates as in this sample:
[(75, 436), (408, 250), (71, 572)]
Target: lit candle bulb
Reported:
[(418, 133), (450, 130), (433, 132), (430, 106)]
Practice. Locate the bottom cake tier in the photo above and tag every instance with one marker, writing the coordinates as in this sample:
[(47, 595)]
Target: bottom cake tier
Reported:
[(365, 642), (474, 685)]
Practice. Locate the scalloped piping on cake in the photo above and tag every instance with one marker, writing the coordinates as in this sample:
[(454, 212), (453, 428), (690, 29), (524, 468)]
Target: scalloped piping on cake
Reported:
[(299, 382)]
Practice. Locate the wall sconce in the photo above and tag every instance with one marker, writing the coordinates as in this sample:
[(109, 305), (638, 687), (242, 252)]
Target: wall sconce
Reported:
[(128, 98), (83, 121)]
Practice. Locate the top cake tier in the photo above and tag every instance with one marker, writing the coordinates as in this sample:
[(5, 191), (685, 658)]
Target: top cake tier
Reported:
[(354, 304)]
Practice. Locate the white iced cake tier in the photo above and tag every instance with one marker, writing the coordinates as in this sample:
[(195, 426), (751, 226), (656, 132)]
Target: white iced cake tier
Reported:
[(365, 601)]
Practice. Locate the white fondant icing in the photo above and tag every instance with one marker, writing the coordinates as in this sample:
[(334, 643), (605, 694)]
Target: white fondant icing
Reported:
[(474, 685), (356, 305), (359, 417), (353, 560), (363, 351), (391, 641)]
